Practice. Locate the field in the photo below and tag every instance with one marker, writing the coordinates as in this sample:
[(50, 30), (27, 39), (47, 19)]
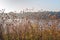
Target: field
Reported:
[(30, 26)]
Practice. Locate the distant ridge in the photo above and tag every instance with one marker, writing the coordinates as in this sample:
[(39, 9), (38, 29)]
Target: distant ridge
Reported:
[(32, 15)]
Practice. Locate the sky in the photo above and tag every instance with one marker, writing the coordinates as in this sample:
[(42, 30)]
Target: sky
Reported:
[(18, 5)]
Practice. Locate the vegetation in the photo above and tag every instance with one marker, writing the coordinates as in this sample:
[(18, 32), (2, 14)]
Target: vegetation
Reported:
[(29, 26)]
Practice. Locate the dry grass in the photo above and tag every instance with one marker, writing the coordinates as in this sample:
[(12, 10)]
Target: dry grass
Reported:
[(27, 30)]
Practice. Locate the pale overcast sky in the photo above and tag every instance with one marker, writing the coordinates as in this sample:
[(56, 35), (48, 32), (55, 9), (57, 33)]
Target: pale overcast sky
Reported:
[(15, 5)]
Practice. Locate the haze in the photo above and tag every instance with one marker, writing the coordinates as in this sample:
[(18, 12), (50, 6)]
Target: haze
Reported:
[(18, 5)]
